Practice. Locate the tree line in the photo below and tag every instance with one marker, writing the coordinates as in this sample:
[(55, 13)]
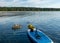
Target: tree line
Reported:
[(27, 9)]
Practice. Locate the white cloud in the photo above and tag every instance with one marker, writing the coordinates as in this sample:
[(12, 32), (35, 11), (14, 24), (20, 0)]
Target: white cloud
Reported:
[(30, 3), (55, 5)]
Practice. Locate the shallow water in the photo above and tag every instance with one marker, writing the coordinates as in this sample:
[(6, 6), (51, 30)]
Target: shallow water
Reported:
[(46, 21)]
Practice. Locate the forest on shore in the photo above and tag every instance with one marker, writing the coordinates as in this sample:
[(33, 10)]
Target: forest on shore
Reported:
[(27, 9)]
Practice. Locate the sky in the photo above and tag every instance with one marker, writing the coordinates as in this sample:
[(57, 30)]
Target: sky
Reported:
[(30, 3)]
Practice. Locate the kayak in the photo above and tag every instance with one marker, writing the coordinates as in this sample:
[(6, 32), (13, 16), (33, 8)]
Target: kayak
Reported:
[(42, 38)]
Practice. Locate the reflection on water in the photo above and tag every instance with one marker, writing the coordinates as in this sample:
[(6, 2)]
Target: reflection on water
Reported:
[(48, 22)]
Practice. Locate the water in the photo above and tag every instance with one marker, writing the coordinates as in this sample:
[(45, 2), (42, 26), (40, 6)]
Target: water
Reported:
[(47, 21)]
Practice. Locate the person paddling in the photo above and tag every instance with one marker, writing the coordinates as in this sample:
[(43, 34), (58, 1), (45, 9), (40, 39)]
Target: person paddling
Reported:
[(31, 27)]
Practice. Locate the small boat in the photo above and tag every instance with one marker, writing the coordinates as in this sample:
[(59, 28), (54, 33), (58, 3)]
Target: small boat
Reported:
[(38, 37)]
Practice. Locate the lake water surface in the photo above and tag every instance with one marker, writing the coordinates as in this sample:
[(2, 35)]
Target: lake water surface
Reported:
[(47, 21)]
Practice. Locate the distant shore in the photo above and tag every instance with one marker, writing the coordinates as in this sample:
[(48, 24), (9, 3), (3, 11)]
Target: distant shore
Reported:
[(27, 9)]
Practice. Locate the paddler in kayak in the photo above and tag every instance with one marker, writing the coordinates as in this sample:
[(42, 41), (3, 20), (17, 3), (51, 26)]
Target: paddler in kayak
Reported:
[(31, 27), (16, 26)]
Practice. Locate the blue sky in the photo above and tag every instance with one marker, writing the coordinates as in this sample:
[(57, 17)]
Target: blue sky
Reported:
[(30, 3)]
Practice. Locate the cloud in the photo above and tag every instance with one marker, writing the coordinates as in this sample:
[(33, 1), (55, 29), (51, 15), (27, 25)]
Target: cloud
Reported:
[(30, 3), (56, 5)]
